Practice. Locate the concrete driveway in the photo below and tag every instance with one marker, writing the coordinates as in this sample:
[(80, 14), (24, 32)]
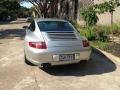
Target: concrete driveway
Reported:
[(101, 73)]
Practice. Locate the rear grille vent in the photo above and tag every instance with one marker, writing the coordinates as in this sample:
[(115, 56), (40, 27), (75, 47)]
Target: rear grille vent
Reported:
[(61, 35)]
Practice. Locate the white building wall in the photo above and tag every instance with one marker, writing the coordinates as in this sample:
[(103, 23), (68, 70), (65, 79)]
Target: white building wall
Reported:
[(106, 17), (103, 18)]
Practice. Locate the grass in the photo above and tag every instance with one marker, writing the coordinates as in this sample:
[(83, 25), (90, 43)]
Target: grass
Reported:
[(110, 47), (99, 37), (100, 44), (99, 32), (107, 29)]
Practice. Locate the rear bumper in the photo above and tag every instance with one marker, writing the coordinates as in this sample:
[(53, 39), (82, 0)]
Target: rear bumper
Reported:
[(47, 56)]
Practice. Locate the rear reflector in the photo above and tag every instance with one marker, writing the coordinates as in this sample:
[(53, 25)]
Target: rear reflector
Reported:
[(38, 45), (85, 43)]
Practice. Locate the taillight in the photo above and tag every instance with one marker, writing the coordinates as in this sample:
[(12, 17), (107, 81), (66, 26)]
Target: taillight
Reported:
[(85, 43), (38, 45)]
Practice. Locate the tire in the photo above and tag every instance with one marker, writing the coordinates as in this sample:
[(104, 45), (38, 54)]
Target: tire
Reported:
[(28, 62)]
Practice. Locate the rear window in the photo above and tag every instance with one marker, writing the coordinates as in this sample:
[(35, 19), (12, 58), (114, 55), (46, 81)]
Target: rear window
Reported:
[(55, 26)]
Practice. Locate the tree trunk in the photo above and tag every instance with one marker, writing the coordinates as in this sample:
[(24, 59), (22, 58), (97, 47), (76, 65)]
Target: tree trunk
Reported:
[(76, 10), (111, 17)]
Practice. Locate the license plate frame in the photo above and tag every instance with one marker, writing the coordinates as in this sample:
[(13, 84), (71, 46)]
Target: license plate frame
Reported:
[(66, 57)]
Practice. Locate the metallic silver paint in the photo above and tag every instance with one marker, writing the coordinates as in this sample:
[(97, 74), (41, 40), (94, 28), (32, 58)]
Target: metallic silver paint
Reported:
[(54, 46)]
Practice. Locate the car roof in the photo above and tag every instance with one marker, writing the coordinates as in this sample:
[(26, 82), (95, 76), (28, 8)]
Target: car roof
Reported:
[(49, 19)]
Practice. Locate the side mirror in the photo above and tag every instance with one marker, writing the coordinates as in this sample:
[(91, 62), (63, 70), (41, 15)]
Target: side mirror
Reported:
[(24, 27)]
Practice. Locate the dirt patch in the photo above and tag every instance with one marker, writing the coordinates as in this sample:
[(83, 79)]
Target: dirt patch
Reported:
[(110, 47), (114, 48)]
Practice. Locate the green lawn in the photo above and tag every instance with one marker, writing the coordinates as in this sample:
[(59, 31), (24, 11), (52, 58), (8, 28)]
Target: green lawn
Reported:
[(99, 37)]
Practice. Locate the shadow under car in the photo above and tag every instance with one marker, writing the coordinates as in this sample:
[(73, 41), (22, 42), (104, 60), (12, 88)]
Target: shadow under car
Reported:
[(99, 64)]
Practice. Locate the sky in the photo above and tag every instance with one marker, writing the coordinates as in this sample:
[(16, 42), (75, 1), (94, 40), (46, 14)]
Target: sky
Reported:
[(26, 4)]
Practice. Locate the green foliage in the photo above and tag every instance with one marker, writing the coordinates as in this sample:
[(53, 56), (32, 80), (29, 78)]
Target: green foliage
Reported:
[(24, 12), (88, 32), (102, 35), (99, 32), (90, 16), (100, 44), (109, 29), (107, 6), (110, 47), (8, 8), (44, 8), (115, 29)]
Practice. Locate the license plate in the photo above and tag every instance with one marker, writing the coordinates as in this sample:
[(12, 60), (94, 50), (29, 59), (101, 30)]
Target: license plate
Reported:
[(65, 57)]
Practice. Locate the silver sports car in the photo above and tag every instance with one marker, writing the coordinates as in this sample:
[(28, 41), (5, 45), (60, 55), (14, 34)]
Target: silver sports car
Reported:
[(54, 42)]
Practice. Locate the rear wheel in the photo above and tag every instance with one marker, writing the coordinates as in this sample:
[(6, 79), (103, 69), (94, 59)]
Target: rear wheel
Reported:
[(28, 62)]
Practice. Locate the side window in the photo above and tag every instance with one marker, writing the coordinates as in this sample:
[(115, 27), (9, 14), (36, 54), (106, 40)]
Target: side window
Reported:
[(32, 26)]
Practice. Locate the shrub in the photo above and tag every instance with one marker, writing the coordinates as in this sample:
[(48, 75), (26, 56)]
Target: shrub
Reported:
[(115, 29), (88, 32), (96, 33), (89, 16), (90, 13), (110, 29), (99, 32)]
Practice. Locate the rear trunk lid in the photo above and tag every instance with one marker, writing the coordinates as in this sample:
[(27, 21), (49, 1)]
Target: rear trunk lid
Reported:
[(62, 39)]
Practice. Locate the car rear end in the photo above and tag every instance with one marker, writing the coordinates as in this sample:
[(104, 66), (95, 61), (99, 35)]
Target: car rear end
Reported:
[(59, 46)]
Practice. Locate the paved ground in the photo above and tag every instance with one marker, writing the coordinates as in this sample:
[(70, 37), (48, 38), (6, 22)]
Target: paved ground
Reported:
[(101, 73)]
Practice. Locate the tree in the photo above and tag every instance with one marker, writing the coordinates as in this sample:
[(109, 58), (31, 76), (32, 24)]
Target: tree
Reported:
[(90, 16), (44, 8), (8, 8), (107, 6), (24, 12)]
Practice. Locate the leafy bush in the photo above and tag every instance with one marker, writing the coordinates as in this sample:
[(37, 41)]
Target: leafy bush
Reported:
[(90, 13), (9, 9), (99, 32), (90, 16), (88, 32), (115, 29), (110, 29)]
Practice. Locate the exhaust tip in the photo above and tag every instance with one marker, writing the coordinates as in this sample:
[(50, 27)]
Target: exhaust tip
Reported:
[(46, 65)]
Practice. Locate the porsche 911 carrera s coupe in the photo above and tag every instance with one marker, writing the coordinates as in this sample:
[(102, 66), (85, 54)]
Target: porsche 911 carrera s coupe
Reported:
[(54, 42)]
